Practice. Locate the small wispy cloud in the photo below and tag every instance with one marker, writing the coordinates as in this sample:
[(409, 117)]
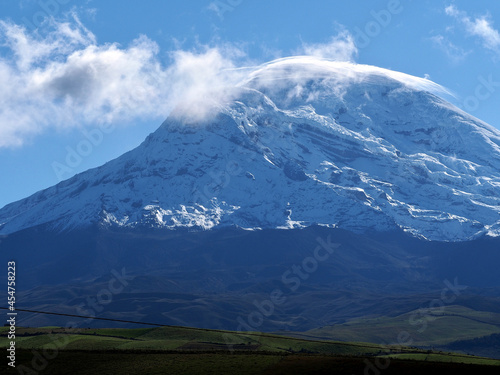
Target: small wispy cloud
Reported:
[(455, 53), (481, 27), (340, 47), (221, 7)]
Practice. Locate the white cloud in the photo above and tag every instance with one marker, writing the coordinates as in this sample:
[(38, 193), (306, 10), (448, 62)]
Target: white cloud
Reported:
[(63, 78), (455, 53), (451, 10), (340, 48), (202, 81), (481, 27)]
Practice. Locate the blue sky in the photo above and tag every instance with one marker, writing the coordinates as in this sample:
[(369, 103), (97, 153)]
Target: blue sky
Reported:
[(84, 81)]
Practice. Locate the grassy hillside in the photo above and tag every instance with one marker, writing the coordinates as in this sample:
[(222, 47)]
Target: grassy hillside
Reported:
[(179, 339), (430, 327), (486, 346)]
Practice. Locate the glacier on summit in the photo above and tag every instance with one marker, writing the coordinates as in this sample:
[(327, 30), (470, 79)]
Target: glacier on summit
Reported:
[(297, 142)]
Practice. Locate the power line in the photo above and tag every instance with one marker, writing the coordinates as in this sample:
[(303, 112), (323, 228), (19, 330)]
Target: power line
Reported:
[(90, 317)]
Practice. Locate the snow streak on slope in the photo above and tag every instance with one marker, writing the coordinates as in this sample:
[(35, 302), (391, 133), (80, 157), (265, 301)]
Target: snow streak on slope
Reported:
[(303, 141)]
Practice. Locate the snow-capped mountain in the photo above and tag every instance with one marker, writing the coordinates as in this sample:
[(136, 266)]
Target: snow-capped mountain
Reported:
[(299, 141)]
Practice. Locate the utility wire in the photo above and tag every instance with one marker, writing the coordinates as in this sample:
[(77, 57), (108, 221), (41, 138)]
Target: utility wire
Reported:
[(90, 317)]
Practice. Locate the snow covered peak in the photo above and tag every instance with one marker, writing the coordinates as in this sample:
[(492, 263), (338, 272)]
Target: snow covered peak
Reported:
[(299, 141)]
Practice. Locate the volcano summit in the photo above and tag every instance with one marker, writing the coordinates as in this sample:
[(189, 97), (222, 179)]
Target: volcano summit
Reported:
[(297, 142)]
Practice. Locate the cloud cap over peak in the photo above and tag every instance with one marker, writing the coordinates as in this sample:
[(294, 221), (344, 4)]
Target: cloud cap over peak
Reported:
[(299, 69)]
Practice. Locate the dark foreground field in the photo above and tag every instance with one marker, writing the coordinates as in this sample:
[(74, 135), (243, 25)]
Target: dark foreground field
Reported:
[(90, 363), (183, 350)]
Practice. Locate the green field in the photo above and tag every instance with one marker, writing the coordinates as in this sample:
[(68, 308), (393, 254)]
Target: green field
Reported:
[(178, 350), (433, 327)]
